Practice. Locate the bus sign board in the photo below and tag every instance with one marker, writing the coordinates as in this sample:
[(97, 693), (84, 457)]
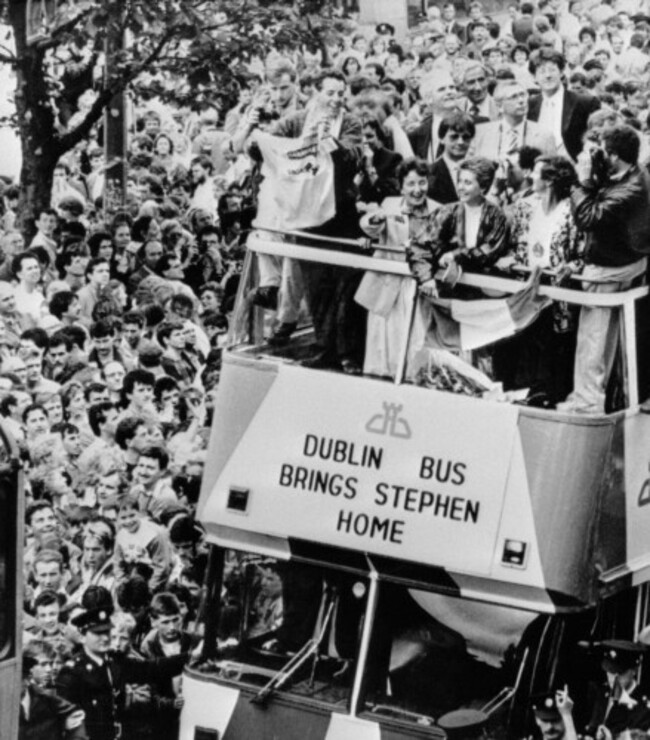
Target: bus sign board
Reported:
[(368, 466)]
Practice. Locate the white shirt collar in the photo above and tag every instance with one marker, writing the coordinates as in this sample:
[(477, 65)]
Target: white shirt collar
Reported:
[(556, 97)]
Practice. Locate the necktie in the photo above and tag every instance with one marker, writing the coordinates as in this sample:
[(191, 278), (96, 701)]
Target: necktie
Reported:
[(473, 110), (513, 141)]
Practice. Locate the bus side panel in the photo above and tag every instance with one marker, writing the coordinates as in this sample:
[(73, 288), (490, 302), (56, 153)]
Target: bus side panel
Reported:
[(11, 584), (637, 488), (9, 698), (242, 388), (567, 498)]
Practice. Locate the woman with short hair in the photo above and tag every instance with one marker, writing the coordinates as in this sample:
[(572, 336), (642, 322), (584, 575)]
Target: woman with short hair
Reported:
[(389, 298)]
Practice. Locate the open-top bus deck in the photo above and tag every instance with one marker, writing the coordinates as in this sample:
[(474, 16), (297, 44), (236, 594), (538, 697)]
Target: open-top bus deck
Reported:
[(437, 550)]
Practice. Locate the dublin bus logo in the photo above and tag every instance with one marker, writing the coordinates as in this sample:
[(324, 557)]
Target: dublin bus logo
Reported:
[(389, 422)]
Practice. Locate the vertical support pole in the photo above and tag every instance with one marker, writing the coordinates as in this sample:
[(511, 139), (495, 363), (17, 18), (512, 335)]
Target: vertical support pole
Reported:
[(629, 337), (371, 610), (211, 601), (405, 347)]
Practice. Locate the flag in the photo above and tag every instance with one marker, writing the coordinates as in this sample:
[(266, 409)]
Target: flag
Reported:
[(297, 191), (467, 325)]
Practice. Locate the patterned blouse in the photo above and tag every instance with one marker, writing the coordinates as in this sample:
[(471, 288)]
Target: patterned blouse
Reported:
[(567, 243)]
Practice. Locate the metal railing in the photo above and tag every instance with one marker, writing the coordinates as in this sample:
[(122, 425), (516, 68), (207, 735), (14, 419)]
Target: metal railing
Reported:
[(302, 246)]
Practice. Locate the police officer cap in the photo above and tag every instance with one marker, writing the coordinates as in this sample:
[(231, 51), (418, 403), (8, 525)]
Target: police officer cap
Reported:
[(544, 706), (385, 28), (98, 620), (97, 597), (463, 723), (621, 655)]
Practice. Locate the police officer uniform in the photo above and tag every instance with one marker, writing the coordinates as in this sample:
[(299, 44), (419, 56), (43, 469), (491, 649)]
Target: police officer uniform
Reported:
[(610, 706), (97, 685)]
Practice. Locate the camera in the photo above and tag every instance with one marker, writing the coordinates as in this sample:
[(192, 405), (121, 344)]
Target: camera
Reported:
[(268, 115), (598, 165)]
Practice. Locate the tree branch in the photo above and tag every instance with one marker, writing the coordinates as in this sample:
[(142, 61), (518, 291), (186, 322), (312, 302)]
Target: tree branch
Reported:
[(71, 138)]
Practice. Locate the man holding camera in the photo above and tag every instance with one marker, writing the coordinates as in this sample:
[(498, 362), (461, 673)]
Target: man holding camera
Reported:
[(611, 205)]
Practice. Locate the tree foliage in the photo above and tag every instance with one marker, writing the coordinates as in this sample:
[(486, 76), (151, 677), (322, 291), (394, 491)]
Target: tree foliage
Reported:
[(191, 51)]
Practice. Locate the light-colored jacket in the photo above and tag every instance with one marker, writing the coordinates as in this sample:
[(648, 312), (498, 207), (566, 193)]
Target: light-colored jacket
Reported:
[(490, 137), (377, 291)]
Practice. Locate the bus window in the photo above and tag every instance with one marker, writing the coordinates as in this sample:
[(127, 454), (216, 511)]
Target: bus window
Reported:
[(432, 654), (275, 614)]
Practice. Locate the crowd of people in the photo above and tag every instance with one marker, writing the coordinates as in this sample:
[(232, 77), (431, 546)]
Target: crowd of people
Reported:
[(468, 145)]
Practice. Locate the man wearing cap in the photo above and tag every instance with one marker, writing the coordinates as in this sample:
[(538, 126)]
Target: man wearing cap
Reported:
[(97, 679), (553, 715), (619, 703)]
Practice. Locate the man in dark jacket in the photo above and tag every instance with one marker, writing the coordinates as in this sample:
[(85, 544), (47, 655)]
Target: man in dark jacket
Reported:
[(44, 715), (613, 211)]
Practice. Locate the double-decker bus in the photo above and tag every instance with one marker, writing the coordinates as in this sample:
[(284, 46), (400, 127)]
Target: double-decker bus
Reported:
[(383, 553), (11, 545)]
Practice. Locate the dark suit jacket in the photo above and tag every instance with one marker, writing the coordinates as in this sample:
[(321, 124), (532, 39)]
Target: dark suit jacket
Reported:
[(47, 716), (576, 109), (420, 138), (441, 185), (458, 29)]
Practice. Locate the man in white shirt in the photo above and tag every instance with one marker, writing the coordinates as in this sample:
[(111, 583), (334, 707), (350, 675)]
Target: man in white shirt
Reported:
[(46, 224), (30, 301), (203, 196), (503, 138)]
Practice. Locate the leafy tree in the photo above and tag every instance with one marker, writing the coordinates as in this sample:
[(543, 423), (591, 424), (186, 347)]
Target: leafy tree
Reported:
[(191, 51)]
